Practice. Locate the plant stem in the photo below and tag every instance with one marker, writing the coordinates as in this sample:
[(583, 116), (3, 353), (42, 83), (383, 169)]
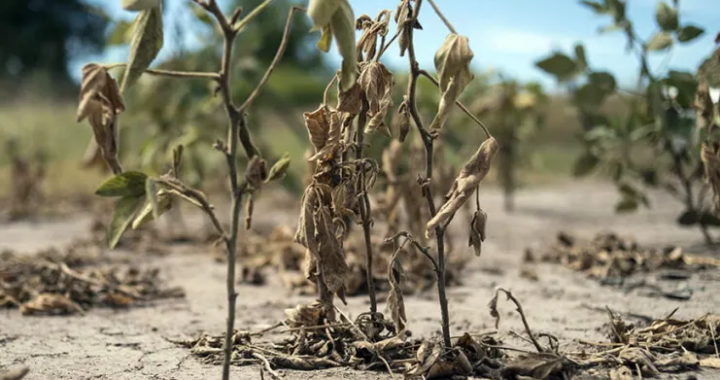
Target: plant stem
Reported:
[(365, 210), (415, 72)]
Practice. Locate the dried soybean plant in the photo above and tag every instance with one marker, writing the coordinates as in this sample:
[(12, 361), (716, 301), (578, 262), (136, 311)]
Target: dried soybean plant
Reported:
[(340, 184), (143, 198)]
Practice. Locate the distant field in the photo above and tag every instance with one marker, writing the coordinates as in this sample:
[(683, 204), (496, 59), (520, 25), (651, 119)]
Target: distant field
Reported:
[(51, 128)]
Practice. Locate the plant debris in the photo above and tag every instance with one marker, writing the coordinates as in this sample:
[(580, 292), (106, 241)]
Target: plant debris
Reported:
[(72, 281), (609, 256)]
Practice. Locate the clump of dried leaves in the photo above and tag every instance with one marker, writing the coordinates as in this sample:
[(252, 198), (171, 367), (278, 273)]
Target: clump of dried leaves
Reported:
[(74, 280), (610, 256)]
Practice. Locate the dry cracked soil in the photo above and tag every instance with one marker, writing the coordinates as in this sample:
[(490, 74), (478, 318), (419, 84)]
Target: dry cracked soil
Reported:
[(131, 343)]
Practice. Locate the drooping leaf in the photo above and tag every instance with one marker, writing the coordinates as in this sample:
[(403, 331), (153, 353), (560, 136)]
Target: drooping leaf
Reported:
[(666, 16), (627, 204), (336, 19), (163, 203), (452, 62), (477, 231), (660, 41), (465, 184), (278, 170), (558, 65), (395, 298), (145, 45), (130, 183), (125, 210), (376, 82), (151, 192), (689, 32)]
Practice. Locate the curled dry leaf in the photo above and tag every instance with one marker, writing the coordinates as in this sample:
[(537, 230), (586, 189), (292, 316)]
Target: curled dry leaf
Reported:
[(428, 353), (101, 103), (336, 19), (376, 82), (467, 181), (256, 172), (477, 231), (325, 131), (452, 62), (350, 101)]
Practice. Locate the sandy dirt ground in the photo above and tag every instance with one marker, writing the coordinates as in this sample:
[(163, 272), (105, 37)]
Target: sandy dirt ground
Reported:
[(131, 344)]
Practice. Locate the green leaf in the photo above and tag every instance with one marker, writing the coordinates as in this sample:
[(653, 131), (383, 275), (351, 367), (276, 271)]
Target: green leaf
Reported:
[(278, 170), (139, 5), (580, 57), (688, 218), (151, 212), (660, 41), (589, 96), (120, 34), (202, 15), (125, 210), (617, 9), (595, 6), (585, 164), (626, 205), (146, 43), (599, 133), (603, 80), (336, 19), (559, 65), (666, 16), (689, 32), (709, 219), (130, 183)]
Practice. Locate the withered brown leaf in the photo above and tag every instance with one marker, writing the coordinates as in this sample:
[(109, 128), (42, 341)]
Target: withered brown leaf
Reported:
[(452, 62), (466, 182), (376, 82), (101, 103), (256, 172), (324, 129), (50, 303), (426, 356), (477, 231), (350, 101)]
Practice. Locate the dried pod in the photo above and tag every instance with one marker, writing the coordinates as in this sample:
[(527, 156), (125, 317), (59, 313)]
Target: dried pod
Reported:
[(376, 82), (404, 122), (395, 300), (466, 182), (256, 172), (477, 231), (452, 62), (101, 103)]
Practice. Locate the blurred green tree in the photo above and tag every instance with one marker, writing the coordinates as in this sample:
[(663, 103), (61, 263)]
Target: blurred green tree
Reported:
[(42, 35)]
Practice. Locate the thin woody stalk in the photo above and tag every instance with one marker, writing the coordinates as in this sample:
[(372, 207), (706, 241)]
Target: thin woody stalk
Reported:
[(428, 139), (365, 210)]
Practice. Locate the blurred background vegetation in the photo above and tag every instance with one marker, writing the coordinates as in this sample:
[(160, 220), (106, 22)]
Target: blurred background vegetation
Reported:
[(544, 129)]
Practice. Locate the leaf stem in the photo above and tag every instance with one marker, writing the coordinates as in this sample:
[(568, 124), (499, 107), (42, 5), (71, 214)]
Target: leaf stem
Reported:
[(278, 56), (459, 104), (170, 73), (442, 17)]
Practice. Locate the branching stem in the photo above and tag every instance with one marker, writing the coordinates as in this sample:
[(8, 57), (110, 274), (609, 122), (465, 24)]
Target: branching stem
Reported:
[(427, 191)]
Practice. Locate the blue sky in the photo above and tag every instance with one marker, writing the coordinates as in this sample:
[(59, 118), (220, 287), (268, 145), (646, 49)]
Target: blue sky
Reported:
[(508, 35)]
